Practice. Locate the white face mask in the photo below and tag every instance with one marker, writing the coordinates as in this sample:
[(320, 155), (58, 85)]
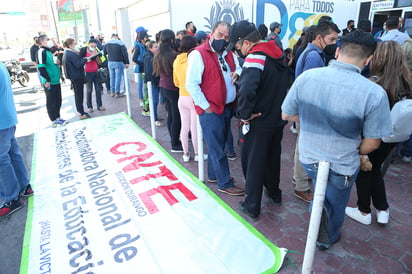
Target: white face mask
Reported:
[(50, 44), (92, 49)]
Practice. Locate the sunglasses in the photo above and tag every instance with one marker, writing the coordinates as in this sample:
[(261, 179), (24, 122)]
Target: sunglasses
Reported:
[(222, 62)]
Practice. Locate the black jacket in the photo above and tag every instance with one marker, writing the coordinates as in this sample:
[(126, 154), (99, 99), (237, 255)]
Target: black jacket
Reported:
[(33, 53), (73, 65), (116, 51), (263, 85), (148, 69)]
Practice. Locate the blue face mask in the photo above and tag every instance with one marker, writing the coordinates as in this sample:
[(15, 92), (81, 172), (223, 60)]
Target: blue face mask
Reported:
[(219, 45)]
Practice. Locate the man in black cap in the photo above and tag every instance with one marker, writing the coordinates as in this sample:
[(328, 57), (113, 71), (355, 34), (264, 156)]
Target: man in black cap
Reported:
[(259, 102), (275, 30)]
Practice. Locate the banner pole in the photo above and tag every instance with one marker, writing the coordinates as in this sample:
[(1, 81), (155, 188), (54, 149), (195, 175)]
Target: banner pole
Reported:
[(315, 216), (201, 154), (151, 108), (127, 86)]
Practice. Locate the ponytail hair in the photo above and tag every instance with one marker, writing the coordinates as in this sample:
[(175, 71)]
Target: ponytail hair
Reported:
[(68, 42)]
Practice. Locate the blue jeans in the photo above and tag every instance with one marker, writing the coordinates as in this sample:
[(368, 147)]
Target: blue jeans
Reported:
[(116, 75), (13, 173), (155, 98), (140, 85), (215, 129), (336, 198), (229, 141)]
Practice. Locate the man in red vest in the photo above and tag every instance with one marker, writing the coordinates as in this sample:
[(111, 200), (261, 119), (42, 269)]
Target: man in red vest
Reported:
[(211, 74)]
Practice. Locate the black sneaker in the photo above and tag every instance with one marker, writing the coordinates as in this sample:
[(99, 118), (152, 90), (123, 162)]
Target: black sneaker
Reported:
[(177, 148), (231, 156), (242, 208), (11, 207), (28, 191), (276, 199)]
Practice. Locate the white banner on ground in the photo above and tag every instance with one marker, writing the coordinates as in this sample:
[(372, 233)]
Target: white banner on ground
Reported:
[(109, 199)]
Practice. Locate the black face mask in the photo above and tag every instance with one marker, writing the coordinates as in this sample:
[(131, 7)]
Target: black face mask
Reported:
[(330, 50), (194, 29), (240, 54), (219, 45)]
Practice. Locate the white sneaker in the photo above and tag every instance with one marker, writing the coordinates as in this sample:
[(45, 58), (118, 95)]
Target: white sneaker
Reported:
[(382, 216), (204, 157), (406, 159), (293, 129), (354, 213), (186, 158)]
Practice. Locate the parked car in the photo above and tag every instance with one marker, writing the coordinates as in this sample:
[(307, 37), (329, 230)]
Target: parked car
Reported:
[(25, 60), (8, 54)]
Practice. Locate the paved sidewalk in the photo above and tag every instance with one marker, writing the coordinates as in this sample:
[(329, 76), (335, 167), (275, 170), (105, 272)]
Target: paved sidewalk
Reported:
[(362, 249)]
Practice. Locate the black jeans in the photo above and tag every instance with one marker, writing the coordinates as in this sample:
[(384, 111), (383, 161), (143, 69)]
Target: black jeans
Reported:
[(53, 101), (370, 184), (173, 115), (260, 158), (78, 87), (92, 80)]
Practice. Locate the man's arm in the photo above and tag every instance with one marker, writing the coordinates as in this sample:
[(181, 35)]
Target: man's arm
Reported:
[(249, 82), (41, 56), (290, 103), (195, 68), (293, 118), (125, 56), (368, 145)]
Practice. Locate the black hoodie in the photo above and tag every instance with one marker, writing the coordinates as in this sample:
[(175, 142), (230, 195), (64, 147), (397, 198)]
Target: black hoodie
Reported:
[(263, 85), (148, 69)]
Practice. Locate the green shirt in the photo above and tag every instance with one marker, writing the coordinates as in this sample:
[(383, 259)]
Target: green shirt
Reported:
[(45, 60)]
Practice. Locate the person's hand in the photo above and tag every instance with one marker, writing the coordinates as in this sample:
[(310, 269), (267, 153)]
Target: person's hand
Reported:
[(47, 85), (127, 65), (253, 116), (208, 110), (234, 77), (365, 164)]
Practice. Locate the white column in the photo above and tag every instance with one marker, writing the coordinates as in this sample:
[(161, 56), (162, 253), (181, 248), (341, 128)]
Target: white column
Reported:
[(315, 216)]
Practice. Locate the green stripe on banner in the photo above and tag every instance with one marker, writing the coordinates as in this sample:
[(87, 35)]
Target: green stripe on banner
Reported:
[(29, 218), (109, 199)]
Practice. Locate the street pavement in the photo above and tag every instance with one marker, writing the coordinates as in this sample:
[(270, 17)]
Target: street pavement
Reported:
[(362, 249)]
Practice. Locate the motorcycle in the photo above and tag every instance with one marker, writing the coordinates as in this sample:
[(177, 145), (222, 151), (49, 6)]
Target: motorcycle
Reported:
[(17, 74)]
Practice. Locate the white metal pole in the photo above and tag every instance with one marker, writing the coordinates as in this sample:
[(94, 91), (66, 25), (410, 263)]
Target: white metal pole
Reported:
[(315, 216), (151, 107), (200, 155), (127, 87)]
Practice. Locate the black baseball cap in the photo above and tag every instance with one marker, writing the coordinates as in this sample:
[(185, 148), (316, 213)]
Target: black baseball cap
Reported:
[(143, 34), (274, 25), (239, 31)]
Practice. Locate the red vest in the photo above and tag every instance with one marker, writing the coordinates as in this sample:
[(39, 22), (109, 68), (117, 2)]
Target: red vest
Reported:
[(213, 83)]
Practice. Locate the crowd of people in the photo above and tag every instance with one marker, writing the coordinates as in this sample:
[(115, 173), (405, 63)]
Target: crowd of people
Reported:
[(80, 65), (337, 89)]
